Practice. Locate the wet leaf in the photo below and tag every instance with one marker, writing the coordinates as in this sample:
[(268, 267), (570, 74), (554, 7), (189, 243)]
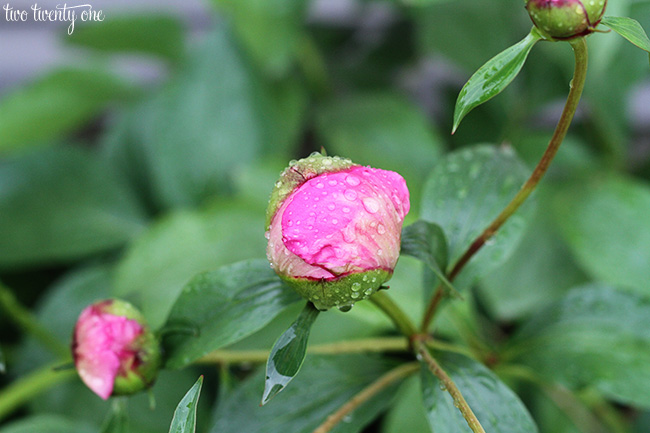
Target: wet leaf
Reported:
[(224, 306), (464, 193), (496, 406), (493, 77), (596, 336), (288, 353), (630, 29), (426, 242), (184, 420)]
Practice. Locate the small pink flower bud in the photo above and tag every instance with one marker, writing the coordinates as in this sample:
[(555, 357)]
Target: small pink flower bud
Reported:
[(114, 351), (566, 19), (334, 229)]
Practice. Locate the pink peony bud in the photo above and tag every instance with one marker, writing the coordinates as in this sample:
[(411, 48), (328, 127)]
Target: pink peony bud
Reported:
[(566, 19), (114, 351), (334, 229)]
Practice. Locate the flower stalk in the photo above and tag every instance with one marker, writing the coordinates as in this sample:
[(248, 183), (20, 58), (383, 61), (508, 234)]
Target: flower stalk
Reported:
[(579, 46)]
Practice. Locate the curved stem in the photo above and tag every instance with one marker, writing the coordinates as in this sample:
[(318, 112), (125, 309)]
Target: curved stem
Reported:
[(22, 317), (399, 318), (579, 46), (450, 386), (27, 387), (366, 394), (393, 344)]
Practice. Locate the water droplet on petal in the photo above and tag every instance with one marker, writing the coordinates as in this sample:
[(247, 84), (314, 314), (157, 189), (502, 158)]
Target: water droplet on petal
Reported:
[(331, 206), (381, 229), (346, 210), (352, 180), (350, 194), (371, 204)]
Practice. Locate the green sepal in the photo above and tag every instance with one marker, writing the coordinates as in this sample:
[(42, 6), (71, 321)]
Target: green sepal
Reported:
[(300, 171), (342, 292)]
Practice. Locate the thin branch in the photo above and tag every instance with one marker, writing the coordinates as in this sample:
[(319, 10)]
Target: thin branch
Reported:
[(450, 386), (579, 46), (395, 313), (391, 344), (366, 394)]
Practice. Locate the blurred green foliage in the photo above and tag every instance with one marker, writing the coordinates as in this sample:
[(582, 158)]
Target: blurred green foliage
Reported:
[(172, 180)]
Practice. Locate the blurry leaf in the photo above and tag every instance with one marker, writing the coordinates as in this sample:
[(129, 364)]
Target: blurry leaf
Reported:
[(56, 105), (288, 353), (465, 192), (76, 401), (59, 308), (326, 384), (556, 412), (605, 222), (269, 29), (204, 126), (3, 365), (407, 414), (493, 77), (382, 130), (630, 29), (117, 420), (184, 420), (642, 424), (496, 406), (468, 21), (225, 306), (61, 204), (540, 270), (160, 35), (594, 337), (46, 423), (426, 242), (177, 247)]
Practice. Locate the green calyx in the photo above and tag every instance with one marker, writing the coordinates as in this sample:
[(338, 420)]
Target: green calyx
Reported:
[(135, 378), (300, 171), (565, 19), (342, 292)]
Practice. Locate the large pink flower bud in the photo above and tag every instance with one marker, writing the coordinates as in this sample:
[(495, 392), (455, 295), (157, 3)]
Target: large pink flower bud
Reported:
[(114, 351), (566, 19), (334, 229)]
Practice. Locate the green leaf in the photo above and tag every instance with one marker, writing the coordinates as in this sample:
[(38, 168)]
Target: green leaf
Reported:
[(118, 417), (523, 283), (56, 105), (597, 337), (496, 406), (407, 414), (382, 130), (160, 35), (465, 192), (288, 353), (184, 420), (269, 29), (62, 204), (3, 365), (493, 77), (605, 223), (47, 423), (182, 244), (426, 242), (630, 29), (225, 306), (325, 384)]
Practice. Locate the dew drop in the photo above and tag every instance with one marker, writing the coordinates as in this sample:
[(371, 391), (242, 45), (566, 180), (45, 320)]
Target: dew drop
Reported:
[(335, 221), (350, 194), (381, 229), (356, 287), (346, 210), (267, 235), (320, 185), (354, 295), (331, 206), (332, 182), (352, 180), (371, 204)]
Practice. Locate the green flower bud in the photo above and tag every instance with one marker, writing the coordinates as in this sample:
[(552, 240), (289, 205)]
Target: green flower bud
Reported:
[(566, 19)]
